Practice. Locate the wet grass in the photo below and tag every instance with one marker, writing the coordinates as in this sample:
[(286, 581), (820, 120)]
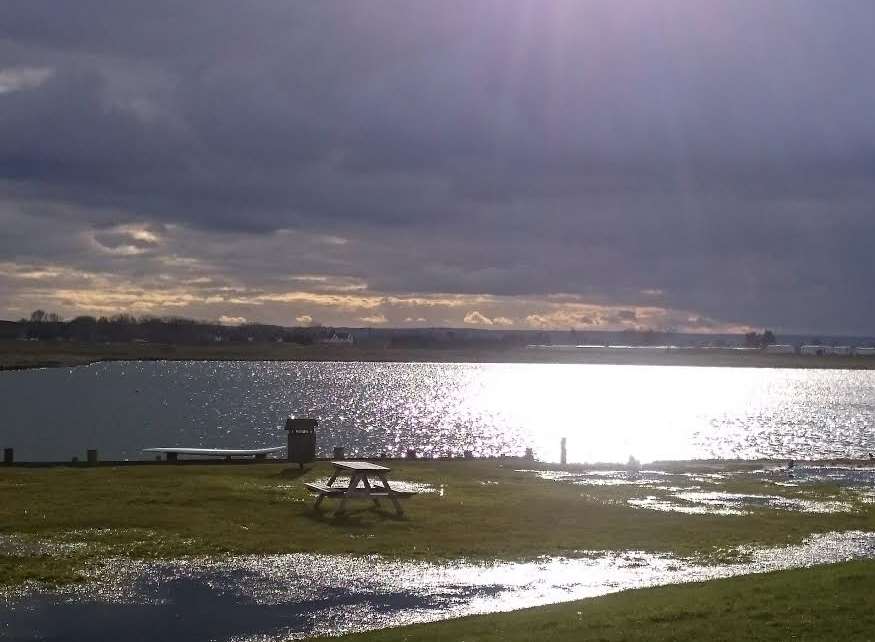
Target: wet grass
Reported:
[(485, 509), (43, 568), (820, 603)]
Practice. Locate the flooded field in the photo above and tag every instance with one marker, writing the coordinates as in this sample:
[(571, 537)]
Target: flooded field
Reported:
[(277, 597), (703, 493), (606, 412), (145, 581)]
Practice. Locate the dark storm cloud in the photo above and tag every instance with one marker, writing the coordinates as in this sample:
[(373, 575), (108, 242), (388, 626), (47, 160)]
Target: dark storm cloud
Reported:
[(720, 153)]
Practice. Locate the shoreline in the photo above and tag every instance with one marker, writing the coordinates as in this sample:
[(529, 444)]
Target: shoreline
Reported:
[(18, 355), (666, 465)]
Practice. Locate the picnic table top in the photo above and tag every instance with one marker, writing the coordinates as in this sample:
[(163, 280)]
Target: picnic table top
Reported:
[(361, 466)]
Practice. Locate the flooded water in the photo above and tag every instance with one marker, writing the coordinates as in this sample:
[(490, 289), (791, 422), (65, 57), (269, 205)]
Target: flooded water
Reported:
[(606, 412), (266, 598), (720, 503), (703, 493)]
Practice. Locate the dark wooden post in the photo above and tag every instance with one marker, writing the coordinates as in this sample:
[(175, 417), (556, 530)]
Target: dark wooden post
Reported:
[(92, 457), (8, 456)]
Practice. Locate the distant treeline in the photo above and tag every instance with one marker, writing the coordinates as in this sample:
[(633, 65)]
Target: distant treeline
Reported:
[(448, 339), (125, 328)]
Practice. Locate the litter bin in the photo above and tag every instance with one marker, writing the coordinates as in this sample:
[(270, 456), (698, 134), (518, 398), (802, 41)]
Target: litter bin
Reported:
[(302, 440)]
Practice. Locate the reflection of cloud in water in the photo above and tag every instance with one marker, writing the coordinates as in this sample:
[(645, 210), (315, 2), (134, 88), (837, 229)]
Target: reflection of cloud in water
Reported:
[(275, 597)]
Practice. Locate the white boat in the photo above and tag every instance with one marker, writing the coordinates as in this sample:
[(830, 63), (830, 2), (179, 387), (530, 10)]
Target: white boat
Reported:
[(172, 453)]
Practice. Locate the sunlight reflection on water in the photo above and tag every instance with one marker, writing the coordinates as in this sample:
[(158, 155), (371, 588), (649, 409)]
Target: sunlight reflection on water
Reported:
[(606, 412), (275, 597)]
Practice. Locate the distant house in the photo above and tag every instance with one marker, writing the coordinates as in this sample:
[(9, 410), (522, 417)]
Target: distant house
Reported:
[(339, 338), (815, 350), (864, 352), (780, 349), (841, 350)]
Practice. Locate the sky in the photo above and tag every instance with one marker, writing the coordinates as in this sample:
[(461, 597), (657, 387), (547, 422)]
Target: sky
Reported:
[(512, 164)]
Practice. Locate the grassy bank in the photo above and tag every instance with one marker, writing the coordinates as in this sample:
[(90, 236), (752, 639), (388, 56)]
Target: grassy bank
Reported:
[(821, 603), (33, 354), (71, 517)]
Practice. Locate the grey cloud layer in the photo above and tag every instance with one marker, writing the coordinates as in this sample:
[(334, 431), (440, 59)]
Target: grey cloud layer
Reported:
[(722, 153)]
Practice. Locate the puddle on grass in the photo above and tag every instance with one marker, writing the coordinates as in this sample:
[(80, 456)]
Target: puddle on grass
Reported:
[(651, 502), (278, 597), (767, 501), (714, 503), (650, 478), (859, 482), (800, 475), (856, 479)]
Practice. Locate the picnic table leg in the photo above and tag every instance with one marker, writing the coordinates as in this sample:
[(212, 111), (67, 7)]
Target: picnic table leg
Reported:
[(353, 482), (370, 488), (331, 480), (391, 493)]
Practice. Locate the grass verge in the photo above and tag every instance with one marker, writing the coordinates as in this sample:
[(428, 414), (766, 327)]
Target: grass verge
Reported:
[(820, 603)]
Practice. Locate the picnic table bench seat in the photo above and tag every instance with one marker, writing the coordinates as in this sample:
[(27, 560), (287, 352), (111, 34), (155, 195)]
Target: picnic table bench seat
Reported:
[(325, 490)]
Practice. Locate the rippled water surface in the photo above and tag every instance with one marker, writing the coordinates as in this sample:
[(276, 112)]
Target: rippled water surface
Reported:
[(277, 597), (606, 412)]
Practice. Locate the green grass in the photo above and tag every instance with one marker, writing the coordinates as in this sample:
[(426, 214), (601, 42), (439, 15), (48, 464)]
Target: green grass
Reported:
[(822, 603), (170, 511), (45, 568)]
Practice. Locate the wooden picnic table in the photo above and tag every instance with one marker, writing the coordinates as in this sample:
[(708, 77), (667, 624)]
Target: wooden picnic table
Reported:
[(364, 473)]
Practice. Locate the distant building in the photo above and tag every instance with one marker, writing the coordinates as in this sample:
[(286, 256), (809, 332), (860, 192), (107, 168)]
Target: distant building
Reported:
[(841, 350), (780, 349), (864, 352), (815, 350), (339, 338)]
